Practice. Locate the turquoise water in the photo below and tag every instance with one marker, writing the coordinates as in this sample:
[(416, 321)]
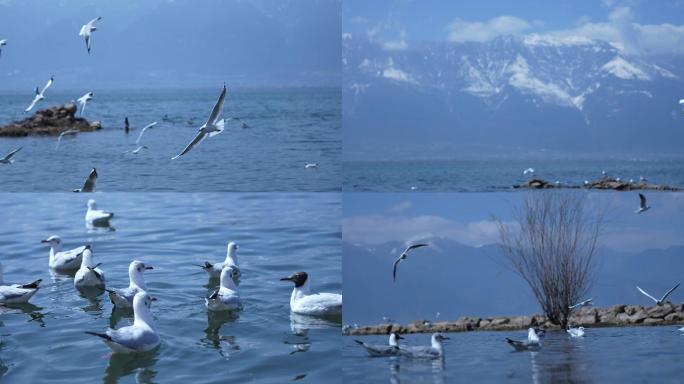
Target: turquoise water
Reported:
[(277, 234)]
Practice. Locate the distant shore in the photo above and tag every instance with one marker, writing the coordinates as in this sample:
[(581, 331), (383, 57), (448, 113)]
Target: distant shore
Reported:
[(619, 315), (605, 183)]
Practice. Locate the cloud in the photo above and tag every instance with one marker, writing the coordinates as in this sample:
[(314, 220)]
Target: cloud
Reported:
[(398, 75), (396, 45), (400, 207), (461, 31)]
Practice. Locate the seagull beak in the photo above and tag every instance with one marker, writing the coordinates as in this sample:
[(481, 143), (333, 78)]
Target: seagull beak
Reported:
[(44, 241), (153, 299), (289, 278), (148, 267)]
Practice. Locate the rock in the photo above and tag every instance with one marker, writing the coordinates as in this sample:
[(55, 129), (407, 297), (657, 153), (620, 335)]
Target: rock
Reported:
[(51, 121), (500, 321), (653, 321), (675, 317), (660, 311), (632, 309), (521, 321), (638, 317)]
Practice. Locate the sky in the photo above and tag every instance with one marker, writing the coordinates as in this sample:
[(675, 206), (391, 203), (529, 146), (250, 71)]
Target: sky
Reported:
[(170, 43)]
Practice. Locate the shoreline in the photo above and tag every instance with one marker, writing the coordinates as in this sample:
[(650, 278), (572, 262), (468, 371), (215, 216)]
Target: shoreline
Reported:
[(605, 183)]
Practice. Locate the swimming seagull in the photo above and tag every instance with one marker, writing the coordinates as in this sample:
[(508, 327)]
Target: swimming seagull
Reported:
[(313, 304), (310, 165), (40, 95), (576, 332), (533, 343), (97, 217), (642, 204), (528, 170), (3, 42), (8, 158), (123, 298), (226, 297), (212, 127), (17, 293), (89, 275), (216, 269), (145, 128), (127, 127), (139, 337), (87, 30), (89, 184), (64, 260), (67, 132), (403, 256), (83, 100), (435, 350), (662, 299), (377, 350), (584, 303)]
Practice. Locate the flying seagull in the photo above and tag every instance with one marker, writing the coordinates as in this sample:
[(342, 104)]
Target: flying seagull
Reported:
[(83, 100), (403, 256), (212, 127), (40, 95), (8, 158), (3, 42), (86, 32), (642, 204), (310, 165), (581, 304), (145, 128), (662, 299), (89, 184), (528, 170), (140, 148), (67, 132)]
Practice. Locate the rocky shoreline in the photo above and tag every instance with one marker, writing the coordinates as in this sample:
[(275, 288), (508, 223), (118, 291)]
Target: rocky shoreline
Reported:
[(605, 183), (620, 315), (50, 122)]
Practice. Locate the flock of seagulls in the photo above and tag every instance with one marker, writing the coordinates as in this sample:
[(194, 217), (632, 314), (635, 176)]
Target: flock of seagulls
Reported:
[(432, 351)]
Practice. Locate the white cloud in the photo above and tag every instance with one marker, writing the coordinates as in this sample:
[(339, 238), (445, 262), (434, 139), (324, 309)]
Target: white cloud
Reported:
[(400, 207), (396, 45), (398, 75), (463, 31)]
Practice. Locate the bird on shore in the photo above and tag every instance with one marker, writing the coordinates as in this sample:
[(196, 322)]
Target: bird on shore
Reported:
[(83, 100), (303, 302), (64, 260), (87, 31), (142, 336), (584, 303), (575, 332), (17, 293), (435, 350), (378, 350), (211, 128), (89, 184), (142, 131), (123, 297), (403, 256), (226, 297), (642, 204), (97, 217), (8, 157), (67, 132), (662, 299), (40, 95), (3, 42), (214, 270), (89, 274), (533, 342)]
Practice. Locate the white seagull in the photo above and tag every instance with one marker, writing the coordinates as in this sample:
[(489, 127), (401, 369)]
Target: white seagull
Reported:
[(97, 217), (533, 343), (681, 101), (576, 332), (83, 100), (8, 158), (212, 127), (140, 148), (303, 302), (67, 132), (377, 350), (581, 304), (89, 275), (310, 165), (642, 204), (403, 256), (528, 171), (435, 350), (86, 32), (89, 184), (40, 95), (123, 298), (226, 297), (145, 128), (142, 336), (64, 260), (216, 269), (17, 293), (3, 42), (662, 299)]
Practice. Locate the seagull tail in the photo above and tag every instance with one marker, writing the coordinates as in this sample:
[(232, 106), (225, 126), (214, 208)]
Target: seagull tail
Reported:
[(102, 335), (33, 285), (359, 342), (220, 125)]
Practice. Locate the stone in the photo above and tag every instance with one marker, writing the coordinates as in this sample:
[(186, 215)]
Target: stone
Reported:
[(51, 121), (653, 321), (674, 317)]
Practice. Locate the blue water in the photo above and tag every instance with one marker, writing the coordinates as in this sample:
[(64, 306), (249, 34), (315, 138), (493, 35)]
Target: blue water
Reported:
[(277, 234), (288, 127), (501, 174), (605, 355)]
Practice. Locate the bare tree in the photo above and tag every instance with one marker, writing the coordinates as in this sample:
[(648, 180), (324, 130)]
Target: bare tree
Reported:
[(553, 248)]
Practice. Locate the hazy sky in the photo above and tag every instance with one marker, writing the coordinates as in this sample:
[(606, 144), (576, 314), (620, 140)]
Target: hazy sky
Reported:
[(170, 43)]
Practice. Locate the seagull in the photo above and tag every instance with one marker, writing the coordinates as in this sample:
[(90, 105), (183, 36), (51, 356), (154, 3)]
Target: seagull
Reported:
[(533, 343), (86, 32), (557, 183), (64, 260), (123, 298), (89, 185), (83, 100), (67, 132), (89, 275), (631, 181), (662, 299), (127, 127), (8, 158), (3, 42), (313, 304), (586, 183), (145, 128), (142, 336), (40, 95), (387, 320), (226, 297), (604, 173), (215, 270), (17, 293), (681, 101), (435, 350), (311, 165), (212, 127), (403, 256), (584, 303), (140, 148), (376, 350), (528, 170), (642, 204), (642, 179), (97, 217), (576, 332)]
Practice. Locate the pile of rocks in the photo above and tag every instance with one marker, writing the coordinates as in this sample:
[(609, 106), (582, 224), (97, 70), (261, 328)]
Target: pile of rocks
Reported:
[(605, 183), (51, 121)]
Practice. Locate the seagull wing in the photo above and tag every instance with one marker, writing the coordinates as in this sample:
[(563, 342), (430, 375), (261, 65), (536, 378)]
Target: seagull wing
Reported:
[(394, 269), (91, 22), (9, 155), (49, 83), (642, 200), (198, 139), (414, 246), (217, 108), (668, 292), (644, 292), (87, 42), (89, 184), (137, 141), (33, 104)]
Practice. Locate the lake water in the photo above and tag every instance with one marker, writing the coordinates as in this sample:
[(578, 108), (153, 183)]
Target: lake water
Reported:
[(500, 174), (277, 234), (288, 127), (605, 355)]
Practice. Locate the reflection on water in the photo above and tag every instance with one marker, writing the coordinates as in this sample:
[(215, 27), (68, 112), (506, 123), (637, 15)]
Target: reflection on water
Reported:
[(142, 364), (216, 320)]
